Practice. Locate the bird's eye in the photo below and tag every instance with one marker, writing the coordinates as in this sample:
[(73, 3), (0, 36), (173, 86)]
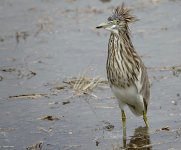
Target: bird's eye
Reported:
[(116, 21)]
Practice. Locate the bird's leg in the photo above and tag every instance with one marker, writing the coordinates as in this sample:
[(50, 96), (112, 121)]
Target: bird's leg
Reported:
[(124, 138), (145, 119), (124, 127), (123, 119)]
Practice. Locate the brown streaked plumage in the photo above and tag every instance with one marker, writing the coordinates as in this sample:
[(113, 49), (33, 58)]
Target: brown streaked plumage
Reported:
[(126, 72)]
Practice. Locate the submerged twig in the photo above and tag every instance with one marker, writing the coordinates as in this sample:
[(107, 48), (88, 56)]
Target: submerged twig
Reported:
[(37, 146), (28, 96), (50, 118)]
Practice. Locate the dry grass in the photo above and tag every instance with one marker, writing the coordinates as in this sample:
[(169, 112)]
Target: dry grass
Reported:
[(176, 70), (166, 68), (85, 84)]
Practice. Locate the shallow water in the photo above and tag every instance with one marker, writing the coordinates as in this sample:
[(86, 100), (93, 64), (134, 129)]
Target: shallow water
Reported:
[(43, 43)]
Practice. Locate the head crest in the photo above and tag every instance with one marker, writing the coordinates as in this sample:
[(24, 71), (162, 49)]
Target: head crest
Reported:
[(123, 13)]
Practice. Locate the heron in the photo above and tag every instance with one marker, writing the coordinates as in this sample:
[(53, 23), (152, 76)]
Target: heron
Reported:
[(126, 72)]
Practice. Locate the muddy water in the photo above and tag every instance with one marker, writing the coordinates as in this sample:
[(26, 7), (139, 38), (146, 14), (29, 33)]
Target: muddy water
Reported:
[(43, 43)]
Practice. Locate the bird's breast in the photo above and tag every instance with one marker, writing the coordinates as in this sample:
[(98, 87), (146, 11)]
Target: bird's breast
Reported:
[(119, 74), (127, 95)]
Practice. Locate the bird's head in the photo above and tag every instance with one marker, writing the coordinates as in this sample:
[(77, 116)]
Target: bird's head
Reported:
[(118, 22)]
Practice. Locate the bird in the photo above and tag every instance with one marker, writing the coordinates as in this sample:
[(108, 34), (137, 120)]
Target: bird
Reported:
[(126, 72)]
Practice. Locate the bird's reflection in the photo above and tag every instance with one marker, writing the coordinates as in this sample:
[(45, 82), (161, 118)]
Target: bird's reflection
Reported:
[(140, 139)]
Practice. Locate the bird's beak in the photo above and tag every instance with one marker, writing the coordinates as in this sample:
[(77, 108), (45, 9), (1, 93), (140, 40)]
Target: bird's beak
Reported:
[(103, 25)]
